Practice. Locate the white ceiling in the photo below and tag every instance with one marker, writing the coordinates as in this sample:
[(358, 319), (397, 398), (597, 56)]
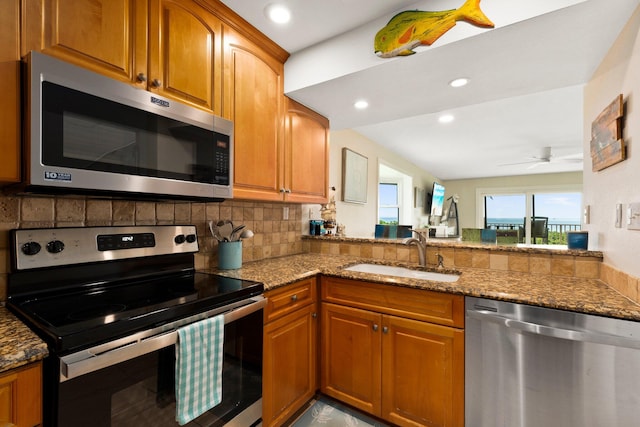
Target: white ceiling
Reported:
[(527, 77)]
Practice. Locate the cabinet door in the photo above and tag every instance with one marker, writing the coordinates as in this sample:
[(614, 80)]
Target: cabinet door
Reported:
[(106, 36), (351, 356), (21, 396), (289, 374), (306, 165), (185, 53), (422, 373), (10, 89), (253, 100)]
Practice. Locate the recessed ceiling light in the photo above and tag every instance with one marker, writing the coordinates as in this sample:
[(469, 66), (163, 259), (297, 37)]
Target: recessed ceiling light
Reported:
[(277, 13), (462, 81), (361, 104), (445, 118)]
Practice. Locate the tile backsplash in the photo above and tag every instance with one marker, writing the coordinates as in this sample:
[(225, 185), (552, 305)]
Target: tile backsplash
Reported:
[(274, 236)]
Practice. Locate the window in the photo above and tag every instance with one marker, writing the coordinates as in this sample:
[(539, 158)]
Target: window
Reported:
[(388, 209), (395, 196), (552, 213)]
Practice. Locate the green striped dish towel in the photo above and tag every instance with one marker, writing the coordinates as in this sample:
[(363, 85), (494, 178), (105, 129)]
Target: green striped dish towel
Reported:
[(199, 354)]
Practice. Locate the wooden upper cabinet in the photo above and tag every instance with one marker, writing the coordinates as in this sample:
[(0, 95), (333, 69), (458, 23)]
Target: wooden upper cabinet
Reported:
[(10, 88), (169, 47), (106, 36), (306, 168), (253, 100), (184, 53)]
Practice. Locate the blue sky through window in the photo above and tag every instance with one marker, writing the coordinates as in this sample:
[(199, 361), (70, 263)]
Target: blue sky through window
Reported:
[(556, 206)]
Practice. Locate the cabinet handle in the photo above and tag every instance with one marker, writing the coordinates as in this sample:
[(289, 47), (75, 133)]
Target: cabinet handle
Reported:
[(294, 297), (385, 329), (282, 190), (156, 83), (314, 315), (287, 190), (375, 327), (141, 77)]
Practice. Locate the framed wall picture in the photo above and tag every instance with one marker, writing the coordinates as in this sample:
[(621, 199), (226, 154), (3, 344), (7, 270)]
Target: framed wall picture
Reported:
[(354, 177)]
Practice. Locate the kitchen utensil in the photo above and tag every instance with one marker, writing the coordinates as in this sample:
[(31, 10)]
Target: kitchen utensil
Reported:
[(246, 233), (225, 231), (235, 233), (214, 231)]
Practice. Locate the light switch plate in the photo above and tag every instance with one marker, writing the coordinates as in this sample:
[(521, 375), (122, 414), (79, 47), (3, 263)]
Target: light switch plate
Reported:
[(619, 215), (633, 216), (586, 214)]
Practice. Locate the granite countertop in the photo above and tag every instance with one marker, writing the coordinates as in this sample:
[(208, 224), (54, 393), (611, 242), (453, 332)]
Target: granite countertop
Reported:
[(567, 293), (18, 344)]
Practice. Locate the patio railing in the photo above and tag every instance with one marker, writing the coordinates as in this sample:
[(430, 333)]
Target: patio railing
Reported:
[(560, 228)]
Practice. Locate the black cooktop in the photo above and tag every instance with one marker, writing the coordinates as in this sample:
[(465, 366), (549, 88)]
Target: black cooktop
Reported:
[(81, 286), (79, 319)]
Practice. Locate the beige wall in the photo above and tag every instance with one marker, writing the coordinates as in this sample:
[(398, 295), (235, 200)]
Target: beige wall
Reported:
[(619, 73), (360, 219), (466, 189)]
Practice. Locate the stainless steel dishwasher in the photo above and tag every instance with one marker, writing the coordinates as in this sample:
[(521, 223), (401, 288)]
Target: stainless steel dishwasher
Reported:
[(530, 366)]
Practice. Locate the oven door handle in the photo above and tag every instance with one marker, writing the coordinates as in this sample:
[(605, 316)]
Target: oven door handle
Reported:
[(96, 358)]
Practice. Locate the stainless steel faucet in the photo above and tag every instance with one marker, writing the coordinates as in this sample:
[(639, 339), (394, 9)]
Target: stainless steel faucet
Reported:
[(421, 242)]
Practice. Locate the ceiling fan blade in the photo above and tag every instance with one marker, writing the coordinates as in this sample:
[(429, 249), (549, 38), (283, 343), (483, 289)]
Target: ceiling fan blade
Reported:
[(521, 163)]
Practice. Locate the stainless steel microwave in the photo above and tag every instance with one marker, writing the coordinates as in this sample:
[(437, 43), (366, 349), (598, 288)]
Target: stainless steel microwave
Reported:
[(86, 133)]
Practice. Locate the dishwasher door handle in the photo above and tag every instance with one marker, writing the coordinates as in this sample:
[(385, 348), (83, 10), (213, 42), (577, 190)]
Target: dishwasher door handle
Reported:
[(554, 332)]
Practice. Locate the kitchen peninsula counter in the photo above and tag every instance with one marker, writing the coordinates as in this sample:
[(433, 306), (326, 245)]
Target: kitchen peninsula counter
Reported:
[(583, 295)]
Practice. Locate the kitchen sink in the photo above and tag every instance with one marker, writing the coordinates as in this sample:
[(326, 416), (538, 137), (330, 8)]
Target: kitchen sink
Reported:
[(389, 270)]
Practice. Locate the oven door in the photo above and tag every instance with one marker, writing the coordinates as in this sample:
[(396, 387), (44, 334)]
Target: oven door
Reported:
[(134, 384)]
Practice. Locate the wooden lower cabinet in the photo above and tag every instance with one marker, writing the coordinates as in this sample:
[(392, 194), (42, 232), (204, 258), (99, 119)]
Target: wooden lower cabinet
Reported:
[(289, 375), (422, 373), (406, 371), (21, 396), (351, 356)]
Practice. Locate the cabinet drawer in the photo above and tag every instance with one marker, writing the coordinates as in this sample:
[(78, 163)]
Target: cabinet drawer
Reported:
[(289, 298), (435, 307)]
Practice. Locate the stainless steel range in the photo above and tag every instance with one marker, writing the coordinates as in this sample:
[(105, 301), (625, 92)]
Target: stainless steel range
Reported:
[(109, 302)]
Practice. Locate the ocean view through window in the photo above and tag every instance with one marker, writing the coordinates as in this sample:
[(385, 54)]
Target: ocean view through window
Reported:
[(551, 215)]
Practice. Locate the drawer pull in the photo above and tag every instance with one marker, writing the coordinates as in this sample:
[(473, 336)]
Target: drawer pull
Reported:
[(294, 297), (385, 329), (375, 327)]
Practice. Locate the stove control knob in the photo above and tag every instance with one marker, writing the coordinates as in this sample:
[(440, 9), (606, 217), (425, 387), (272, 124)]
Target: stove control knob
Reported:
[(31, 248), (179, 239), (55, 246), (191, 238)]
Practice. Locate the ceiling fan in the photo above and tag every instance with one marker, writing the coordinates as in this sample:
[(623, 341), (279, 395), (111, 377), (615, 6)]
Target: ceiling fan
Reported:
[(545, 157)]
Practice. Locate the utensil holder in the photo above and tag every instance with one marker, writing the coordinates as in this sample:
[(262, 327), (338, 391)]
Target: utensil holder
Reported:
[(230, 255)]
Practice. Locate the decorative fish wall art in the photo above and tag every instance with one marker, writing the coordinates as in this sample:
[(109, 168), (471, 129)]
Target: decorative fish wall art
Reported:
[(412, 28)]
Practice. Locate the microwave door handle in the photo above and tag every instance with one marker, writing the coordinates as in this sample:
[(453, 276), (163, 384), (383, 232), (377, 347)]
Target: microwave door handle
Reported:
[(87, 361)]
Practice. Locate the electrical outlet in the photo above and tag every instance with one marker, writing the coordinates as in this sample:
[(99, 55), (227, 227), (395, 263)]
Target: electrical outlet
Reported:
[(633, 216), (619, 215), (285, 212)]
